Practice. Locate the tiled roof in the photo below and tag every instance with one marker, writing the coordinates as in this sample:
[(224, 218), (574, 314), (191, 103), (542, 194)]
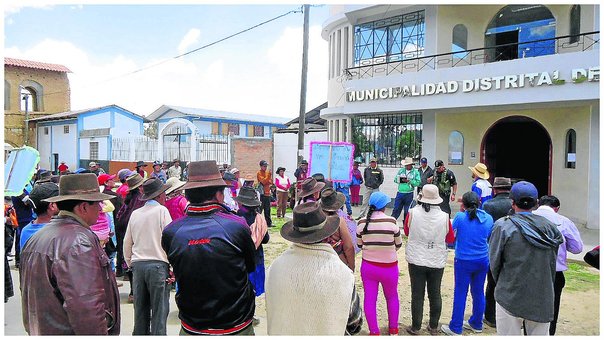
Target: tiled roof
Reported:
[(36, 65)]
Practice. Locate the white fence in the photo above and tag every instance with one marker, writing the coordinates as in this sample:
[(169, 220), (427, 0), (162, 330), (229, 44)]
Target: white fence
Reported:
[(146, 149)]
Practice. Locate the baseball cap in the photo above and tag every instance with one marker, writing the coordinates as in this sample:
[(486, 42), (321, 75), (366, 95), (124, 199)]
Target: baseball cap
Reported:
[(227, 176), (92, 164), (524, 194), (423, 160), (103, 178), (43, 191), (379, 200), (263, 163), (438, 163), (234, 171)]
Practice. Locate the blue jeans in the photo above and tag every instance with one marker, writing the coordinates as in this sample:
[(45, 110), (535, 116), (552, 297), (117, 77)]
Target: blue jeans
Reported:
[(471, 273), (346, 193), (402, 200)]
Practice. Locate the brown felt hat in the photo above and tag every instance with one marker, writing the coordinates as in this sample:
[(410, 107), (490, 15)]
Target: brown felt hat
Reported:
[(80, 187), (310, 224), (134, 181), (502, 183), (204, 174), (152, 188), (309, 187), (331, 200)]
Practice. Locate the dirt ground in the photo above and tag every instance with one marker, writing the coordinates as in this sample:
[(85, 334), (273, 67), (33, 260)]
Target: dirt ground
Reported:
[(579, 310)]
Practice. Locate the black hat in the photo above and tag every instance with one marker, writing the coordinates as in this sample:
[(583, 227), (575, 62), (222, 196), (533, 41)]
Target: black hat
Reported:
[(43, 191), (438, 163), (304, 161), (310, 186), (310, 224), (152, 188), (227, 176), (263, 163), (140, 163), (279, 169), (248, 197), (332, 200)]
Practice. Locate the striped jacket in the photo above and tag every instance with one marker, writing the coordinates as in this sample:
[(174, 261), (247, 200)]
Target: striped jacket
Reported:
[(381, 240)]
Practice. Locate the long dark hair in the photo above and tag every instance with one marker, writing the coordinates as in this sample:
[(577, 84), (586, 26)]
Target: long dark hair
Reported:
[(426, 206), (370, 211), (471, 201)]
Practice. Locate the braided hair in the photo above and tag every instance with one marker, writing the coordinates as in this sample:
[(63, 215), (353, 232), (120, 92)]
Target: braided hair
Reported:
[(471, 201), (370, 211), (426, 206)]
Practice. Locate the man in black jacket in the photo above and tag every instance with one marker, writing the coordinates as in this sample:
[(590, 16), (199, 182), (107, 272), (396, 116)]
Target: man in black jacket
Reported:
[(425, 171), (374, 177), (498, 206)]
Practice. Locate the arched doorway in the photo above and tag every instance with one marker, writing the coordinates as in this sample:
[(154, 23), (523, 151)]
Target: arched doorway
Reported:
[(177, 140), (519, 147)]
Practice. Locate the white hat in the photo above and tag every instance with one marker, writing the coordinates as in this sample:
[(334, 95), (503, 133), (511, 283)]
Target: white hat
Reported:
[(407, 161), (234, 171), (429, 195)]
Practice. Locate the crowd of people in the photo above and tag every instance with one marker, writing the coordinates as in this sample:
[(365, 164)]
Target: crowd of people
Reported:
[(201, 231)]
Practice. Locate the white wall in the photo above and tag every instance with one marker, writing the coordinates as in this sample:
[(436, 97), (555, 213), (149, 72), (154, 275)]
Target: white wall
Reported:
[(204, 128), (43, 146), (103, 148), (65, 144), (125, 126), (286, 150), (96, 121)]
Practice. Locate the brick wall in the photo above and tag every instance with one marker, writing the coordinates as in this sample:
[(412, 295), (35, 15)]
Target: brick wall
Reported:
[(246, 154), (56, 98)]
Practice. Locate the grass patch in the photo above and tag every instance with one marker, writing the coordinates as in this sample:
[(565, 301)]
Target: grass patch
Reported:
[(581, 278), (278, 222)]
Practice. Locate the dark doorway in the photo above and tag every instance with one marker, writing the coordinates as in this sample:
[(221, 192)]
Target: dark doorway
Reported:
[(519, 148), (507, 46), (55, 163)]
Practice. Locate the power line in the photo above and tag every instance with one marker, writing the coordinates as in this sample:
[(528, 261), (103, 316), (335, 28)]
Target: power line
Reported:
[(299, 10)]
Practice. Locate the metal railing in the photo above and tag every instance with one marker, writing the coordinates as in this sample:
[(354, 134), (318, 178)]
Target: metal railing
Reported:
[(563, 44)]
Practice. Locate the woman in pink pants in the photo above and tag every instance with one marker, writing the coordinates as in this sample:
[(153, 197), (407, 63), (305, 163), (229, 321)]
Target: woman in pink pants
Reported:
[(379, 238)]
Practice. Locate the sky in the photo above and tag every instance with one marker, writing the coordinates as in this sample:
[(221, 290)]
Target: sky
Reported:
[(256, 72)]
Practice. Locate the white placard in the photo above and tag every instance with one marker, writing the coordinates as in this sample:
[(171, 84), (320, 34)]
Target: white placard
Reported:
[(456, 155), (571, 157)]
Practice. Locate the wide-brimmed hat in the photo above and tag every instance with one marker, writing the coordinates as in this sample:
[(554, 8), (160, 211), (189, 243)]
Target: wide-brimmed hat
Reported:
[(279, 169), (80, 187), (429, 195), (502, 183), (248, 197), (140, 163), (134, 181), (44, 176), (203, 174), (174, 184), (310, 186), (310, 224), (332, 200), (373, 159), (480, 170), (407, 161), (152, 188)]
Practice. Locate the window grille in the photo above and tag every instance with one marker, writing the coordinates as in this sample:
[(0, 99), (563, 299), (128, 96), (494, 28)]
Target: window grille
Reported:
[(66, 129), (94, 150), (258, 131)]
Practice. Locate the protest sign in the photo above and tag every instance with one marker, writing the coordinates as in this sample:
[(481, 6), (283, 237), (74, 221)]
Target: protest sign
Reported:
[(332, 159)]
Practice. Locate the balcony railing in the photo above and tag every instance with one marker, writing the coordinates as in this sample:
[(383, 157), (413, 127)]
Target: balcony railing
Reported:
[(563, 44)]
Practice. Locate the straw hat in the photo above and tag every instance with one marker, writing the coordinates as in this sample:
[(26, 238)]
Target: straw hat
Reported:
[(480, 170), (174, 184), (204, 174), (407, 161), (310, 224), (81, 187), (429, 195)]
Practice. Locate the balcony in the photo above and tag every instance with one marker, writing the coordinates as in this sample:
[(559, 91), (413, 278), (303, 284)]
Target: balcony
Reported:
[(390, 65)]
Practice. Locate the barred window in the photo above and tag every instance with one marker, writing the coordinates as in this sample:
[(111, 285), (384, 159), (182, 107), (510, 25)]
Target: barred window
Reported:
[(94, 150), (234, 129), (258, 131), (389, 137), (393, 39), (65, 128)]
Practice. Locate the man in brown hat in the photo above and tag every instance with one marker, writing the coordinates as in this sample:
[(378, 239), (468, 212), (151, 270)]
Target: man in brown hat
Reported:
[(499, 206), (144, 254), (212, 251), (309, 290), (67, 285), (310, 190)]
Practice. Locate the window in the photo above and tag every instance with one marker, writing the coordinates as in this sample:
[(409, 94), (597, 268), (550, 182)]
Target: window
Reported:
[(571, 149), (393, 39), (388, 137), (455, 148), (258, 131), (94, 150), (234, 129), (459, 41), (66, 129), (46, 130), (31, 96), (575, 23)]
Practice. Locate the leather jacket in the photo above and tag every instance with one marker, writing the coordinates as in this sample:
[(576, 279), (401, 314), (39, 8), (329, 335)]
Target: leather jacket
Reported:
[(66, 282)]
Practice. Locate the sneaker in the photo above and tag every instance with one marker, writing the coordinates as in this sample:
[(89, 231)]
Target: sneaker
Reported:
[(447, 330), (432, 331), (411, 331), (393, 331), (489, 323), (467, 325)]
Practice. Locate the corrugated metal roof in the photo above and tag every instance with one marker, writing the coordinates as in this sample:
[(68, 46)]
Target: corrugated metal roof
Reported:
[(36, 65), (189, 111), (74, 114), (311, 117)]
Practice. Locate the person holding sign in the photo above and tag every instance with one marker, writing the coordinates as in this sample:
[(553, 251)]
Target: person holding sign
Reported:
[(374, 177), (407, 179)]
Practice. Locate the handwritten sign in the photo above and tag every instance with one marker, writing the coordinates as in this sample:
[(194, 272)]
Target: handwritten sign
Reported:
[(18, 169), (332, 159)]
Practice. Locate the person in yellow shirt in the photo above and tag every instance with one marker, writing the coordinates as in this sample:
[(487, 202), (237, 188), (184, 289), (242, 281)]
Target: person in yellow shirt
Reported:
[(265, 181)]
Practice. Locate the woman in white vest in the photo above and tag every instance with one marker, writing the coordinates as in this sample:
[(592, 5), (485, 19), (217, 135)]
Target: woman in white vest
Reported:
[(429, 230)]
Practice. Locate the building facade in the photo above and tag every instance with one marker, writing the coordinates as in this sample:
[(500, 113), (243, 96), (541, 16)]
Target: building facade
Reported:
[(515, 87), (78, 137), (31, 89)]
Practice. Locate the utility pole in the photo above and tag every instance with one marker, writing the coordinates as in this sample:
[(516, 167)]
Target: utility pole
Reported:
[(303, 86)]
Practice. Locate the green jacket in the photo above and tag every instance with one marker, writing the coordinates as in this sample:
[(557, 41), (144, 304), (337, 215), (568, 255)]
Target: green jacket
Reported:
[(414, 180)]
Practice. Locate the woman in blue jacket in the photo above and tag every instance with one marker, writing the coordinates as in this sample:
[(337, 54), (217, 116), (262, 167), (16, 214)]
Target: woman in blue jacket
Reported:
[(472, 227)]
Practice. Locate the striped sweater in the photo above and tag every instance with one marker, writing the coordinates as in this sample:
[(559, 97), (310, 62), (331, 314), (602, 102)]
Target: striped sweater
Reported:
[(381, 240)]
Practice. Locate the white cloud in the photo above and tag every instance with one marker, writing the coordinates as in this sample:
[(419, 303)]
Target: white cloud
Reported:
[(191, 38), (269, 86)]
